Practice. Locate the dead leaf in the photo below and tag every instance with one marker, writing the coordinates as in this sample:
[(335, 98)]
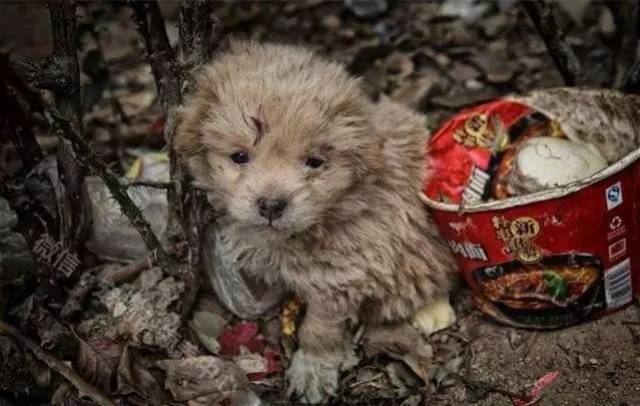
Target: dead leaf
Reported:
[(402, 378), (132, 372), (97, 360), (207, 326), (207, 380), (403, 343), (244, 334), (443, 375), (251, 363)]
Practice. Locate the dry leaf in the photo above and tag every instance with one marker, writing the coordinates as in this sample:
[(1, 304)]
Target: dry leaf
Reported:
[(207, 380), (403, 343), (133, 373)]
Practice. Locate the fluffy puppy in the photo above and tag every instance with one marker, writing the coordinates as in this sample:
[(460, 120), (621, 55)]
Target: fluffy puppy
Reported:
[(319, 190)]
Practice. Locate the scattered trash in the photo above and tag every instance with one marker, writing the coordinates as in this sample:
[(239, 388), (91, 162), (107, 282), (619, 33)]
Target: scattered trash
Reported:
[(555, 257), (290, 313)]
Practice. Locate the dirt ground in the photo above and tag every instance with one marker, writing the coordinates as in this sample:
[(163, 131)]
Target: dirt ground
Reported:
[(436, 61)]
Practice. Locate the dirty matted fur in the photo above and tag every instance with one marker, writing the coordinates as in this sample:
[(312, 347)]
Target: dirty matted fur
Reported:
[(276, 123)]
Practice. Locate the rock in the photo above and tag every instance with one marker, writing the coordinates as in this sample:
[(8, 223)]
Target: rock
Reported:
[(496, 69), (367, 8), (399, 63), (473, 84), (331, 22), (459, 100), (606, 22), (414, 93), (468, 10), (492, 26), (462, 72), (501, 74)]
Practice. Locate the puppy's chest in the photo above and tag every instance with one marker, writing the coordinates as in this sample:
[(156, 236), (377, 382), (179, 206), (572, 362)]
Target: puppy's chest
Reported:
[(300, 267), (256, 255)]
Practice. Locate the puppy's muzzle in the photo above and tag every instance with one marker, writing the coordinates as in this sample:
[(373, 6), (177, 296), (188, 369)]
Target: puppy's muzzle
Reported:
[(271, 209)]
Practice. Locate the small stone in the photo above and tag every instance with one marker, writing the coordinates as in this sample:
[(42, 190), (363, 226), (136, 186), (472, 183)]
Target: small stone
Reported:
[(414, 93), (398, 63), (462, 72), (606, 22), (331, 22), (593, 361), (501, 75), (473, 84), (493, 25), (581, 361)]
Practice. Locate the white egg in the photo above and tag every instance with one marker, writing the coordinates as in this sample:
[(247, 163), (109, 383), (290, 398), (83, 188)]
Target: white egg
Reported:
[(547, 162)]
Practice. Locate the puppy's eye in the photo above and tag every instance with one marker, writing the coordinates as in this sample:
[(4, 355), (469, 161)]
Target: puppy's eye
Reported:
[(239, 157), (314, 162)]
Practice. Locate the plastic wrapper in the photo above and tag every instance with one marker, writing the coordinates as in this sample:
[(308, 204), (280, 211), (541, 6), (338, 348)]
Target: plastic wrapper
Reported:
[(547, 245), (245, 297), (112, 237)]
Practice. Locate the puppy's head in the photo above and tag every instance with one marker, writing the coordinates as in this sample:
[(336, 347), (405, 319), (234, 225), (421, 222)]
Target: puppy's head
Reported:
[(276, 135)]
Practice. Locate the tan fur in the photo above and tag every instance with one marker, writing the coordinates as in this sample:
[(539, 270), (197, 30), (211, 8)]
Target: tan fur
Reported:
[(355, 242)]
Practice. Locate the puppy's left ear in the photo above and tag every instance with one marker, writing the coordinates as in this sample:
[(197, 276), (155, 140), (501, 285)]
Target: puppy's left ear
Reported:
[(187, 141)]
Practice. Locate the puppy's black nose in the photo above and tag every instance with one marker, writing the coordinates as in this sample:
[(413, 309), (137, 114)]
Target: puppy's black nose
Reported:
[(271, 209)]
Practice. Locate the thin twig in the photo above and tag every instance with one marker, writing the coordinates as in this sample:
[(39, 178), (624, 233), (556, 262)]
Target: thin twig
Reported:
[(565, 59), (146, 183), (57, 365), (132, 270)]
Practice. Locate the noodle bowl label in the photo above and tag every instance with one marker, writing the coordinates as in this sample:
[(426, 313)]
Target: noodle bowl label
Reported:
[(518, 235)]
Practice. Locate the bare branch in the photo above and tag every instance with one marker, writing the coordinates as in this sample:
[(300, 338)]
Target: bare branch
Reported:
[(196, 26), (66, 129), (164, 66), (14, 125), (562, 54), (159, 52), (57, 365), (49, 73), (147, 183), (64, 60)]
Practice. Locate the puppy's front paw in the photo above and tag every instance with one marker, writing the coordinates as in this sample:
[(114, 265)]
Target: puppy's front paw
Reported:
[(313, 378), (434, 317)]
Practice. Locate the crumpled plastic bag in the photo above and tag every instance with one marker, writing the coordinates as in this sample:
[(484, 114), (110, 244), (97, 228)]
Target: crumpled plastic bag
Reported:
[(112, 237), (246, 298)]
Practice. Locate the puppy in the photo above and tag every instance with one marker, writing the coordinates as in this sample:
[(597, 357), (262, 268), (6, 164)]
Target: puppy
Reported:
[(319, 190)]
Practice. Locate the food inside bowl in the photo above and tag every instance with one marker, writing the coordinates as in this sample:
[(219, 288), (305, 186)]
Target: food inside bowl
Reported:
[(510, 150), (540, 287)]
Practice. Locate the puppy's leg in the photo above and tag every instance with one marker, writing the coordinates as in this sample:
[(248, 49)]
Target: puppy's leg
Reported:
[(435, 316), (324, 349)]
